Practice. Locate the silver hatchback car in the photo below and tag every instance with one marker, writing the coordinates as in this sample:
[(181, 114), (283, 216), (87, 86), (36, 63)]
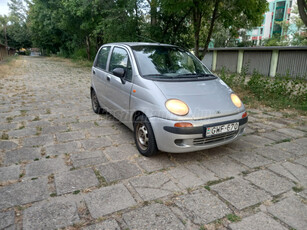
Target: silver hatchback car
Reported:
[(170, 100)]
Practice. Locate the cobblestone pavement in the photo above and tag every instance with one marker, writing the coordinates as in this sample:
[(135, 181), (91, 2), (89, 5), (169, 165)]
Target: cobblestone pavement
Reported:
[(62, 166)]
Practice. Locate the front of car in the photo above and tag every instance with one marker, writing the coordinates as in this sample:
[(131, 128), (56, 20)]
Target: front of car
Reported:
[(199, 111)]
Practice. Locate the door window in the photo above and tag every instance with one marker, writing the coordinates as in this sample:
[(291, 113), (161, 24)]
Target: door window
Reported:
[(102, 58), (120, 59)]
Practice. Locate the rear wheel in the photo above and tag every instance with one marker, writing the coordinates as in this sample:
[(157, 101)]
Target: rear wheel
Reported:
[(144, 137), (95, 103)]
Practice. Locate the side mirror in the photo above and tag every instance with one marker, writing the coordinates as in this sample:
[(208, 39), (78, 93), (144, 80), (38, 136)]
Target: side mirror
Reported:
[(119, 72)]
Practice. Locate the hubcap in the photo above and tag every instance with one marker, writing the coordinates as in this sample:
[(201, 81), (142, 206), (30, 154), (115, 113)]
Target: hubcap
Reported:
[(142, 136)]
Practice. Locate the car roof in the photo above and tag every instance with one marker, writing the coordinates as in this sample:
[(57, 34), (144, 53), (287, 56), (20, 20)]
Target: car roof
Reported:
[(139, 44)]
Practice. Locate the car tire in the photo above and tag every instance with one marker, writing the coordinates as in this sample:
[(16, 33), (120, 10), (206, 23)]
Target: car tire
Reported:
[(95, 103), (144, 136)]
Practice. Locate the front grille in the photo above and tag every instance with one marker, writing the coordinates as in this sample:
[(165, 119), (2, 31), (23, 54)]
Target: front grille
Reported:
[(217, 138)]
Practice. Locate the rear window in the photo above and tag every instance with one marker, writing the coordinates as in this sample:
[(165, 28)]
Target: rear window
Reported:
[(102, 58)]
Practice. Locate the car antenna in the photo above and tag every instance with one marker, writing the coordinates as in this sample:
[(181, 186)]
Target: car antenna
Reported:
[(146, 38)]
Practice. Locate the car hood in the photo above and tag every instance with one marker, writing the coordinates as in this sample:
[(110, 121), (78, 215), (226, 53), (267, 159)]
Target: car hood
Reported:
[(206, 99)]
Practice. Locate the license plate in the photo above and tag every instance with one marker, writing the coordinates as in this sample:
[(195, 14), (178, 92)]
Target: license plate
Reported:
[(214, 130)]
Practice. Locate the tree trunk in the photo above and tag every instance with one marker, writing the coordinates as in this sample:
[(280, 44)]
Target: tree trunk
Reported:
[(302, 9), (216, 5), (88, 47), (196, 24)]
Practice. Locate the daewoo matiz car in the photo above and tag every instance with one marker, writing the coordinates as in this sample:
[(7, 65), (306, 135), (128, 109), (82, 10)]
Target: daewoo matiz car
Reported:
[(170, 100)]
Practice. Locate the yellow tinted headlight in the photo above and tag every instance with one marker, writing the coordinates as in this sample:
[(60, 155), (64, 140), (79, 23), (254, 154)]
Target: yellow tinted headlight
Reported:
[(236, 100), (177, 107)]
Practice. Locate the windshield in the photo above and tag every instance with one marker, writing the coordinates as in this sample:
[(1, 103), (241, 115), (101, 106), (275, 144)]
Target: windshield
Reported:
[(168, 62)]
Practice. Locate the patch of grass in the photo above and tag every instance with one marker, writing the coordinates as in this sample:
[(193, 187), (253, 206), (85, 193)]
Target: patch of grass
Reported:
[(48, 111), (9, 119), (4, 136), (233, 217), (23, 112), (76, 192), (280, 92), (297, 188), (36, 118), (21, 127), (53, 194), (202, 227), (34, 178), (38, 130), (207, 187), (95, 123), (102, 181), (283, 140), (47, 157), (21, 175), (36, 159), (213, 182)]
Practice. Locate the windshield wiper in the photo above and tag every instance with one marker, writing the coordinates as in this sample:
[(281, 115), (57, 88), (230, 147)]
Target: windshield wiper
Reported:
[(198, 75)]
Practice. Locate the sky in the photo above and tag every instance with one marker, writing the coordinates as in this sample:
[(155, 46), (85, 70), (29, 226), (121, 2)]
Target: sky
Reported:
[(4, 9)]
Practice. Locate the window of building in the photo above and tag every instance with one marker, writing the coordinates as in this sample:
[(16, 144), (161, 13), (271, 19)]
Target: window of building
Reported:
[(290, 4), (261, 31)]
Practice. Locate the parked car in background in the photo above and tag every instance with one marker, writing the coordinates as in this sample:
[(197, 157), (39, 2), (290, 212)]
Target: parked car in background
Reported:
[(166, 96)]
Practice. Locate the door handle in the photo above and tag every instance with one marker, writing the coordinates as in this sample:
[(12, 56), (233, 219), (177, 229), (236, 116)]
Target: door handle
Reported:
[(94, 72), (108, 78)]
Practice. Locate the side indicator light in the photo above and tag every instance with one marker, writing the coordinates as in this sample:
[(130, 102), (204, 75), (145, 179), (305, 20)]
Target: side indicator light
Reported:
[(244, 115), (183, 124)]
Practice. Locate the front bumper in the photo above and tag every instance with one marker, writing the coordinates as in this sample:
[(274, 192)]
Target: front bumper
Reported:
[(175, 140)]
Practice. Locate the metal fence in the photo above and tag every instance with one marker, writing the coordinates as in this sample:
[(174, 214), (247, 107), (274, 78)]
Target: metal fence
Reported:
[(269, 61)]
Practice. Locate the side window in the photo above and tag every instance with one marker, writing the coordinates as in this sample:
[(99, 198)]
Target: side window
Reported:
[(102, 58), (121, 59)]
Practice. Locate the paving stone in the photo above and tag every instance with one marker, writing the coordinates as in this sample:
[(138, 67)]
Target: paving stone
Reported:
[(295, 148), (250, 159), (121, 152), (70, 136), (122, 138), (96, 143), (118, 171), (50, 215), (258, 221), (291, 211), (275, 136), (105, 225), (102, 131), (185, 177), (75, 180), (270, 182), (154, 216), (302, 161), (295, 172), (23, 192), (58, 149), (22, 132), (9, 173), (8, 126), (154, 163), (302, 142), (38, 141), (88, 158), (154, 186), (7, 219), (82, 125), (224, 166), (22, 154), (201, 172), (107, 200), (272, 153), (7, 145), (40, 123), (240, 193), (202, 207), (183, 158), (256, 140), (291, 132), (45, 167), (240, 145), (54, 129)]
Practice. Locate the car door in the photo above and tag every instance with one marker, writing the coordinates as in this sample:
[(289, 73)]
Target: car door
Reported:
[(100, 75), (118, 90)]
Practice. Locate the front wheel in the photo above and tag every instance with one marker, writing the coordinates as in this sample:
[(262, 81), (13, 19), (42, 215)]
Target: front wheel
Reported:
[(144, 137)]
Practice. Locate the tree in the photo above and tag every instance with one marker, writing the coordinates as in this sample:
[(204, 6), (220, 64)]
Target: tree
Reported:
[(302, 8)]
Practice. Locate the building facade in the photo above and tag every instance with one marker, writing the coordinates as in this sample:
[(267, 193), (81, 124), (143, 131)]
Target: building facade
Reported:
[(279, 10)]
